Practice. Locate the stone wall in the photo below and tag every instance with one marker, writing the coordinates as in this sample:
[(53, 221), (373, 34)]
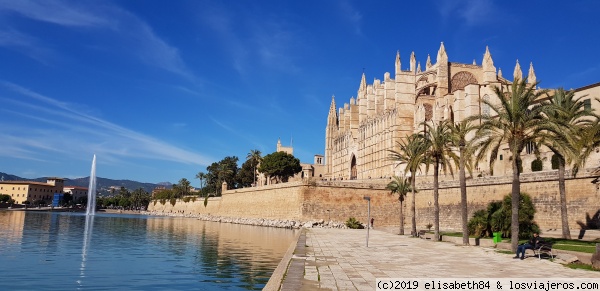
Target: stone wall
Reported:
[(281, 201), (339, 200)]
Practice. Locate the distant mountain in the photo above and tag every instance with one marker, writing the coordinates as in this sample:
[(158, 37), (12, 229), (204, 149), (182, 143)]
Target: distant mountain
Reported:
[(102, 184)]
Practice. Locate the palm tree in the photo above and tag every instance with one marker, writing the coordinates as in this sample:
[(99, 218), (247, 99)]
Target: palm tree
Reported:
[(459, 132), (568, 117), (400, 185), (222, 173), (201, 176), (412, 154), (439, 150), (517, 120), (255, 156)]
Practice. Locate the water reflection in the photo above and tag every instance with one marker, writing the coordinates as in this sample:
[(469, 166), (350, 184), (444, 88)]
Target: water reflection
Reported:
[(87, 239), (63, 251), (225, 253)]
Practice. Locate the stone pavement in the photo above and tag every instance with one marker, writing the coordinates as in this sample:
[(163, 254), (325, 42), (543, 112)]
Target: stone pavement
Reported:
[(338, 259)]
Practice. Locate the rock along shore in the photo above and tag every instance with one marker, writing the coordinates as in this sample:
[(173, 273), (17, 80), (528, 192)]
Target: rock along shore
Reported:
[(279, 223)]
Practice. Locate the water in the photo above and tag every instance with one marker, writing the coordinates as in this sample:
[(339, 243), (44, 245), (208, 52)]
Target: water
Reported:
[(70, 251), (91, 203)]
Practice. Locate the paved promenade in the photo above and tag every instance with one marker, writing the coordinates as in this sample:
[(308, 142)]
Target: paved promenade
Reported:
[(338, 259)]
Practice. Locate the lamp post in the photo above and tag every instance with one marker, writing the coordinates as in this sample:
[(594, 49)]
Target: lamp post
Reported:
[(368, 198)]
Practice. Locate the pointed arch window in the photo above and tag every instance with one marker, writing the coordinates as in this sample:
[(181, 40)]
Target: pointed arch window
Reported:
[(485, 108)]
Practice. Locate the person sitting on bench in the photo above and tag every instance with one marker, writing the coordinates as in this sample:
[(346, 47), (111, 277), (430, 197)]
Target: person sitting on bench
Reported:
[(533, 243)]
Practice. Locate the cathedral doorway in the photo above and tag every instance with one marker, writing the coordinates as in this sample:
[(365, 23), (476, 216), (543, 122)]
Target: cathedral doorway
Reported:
[(353, 171)]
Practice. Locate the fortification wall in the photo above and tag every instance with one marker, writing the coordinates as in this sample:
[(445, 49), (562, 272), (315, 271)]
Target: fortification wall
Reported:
[(583, 199), (281, 201), (339, 200)]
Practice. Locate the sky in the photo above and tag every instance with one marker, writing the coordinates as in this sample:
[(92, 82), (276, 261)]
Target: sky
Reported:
[(159, 90)]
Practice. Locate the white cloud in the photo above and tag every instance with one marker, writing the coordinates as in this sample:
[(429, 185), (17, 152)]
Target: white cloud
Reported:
[(126, 27), (57, 12), (25, 44), (352, 15), (64, 129), (268, 41), (472, 12)]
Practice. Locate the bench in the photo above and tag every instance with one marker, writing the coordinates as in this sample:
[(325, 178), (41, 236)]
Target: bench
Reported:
[(421, 233), (543, 248)]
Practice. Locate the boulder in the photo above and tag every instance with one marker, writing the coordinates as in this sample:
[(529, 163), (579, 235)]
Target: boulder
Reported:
[(567, 258)]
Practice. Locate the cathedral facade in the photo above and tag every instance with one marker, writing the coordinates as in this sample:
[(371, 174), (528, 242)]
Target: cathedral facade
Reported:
[(360, 135)]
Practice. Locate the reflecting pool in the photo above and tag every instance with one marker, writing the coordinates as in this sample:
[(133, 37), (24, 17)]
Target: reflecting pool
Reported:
[(73, 251)]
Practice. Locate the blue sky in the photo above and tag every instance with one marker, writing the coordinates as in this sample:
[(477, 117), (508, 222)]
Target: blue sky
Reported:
[(159, 90)]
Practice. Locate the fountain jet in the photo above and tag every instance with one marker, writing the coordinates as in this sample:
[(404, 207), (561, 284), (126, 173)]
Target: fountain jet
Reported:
[(91, 203)]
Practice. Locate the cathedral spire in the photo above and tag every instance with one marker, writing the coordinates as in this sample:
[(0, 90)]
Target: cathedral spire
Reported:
[(531, 79), (489, 70), (413, 62), (332, 116), (517, 74), (442, 56), (418, 67), (428, 64), (332, 106), (398, 64), (500, 73), (363, 82)]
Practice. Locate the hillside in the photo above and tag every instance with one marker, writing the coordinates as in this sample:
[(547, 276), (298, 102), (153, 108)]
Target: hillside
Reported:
[(102, 184)]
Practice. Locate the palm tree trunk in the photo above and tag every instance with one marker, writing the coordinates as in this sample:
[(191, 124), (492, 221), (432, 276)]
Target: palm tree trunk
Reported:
[(401, 220), (566, 233), (413, 207), (463, 198), (515, 197), (436, 205)]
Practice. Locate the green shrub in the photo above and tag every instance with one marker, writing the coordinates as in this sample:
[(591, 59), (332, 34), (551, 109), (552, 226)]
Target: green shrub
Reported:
[(497, 218), (173, 201), (155, 202), (186, 199), (163, 201), (353, 223), (536, 165)]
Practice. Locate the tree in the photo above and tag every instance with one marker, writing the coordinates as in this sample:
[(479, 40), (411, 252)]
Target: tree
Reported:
[(401, 186), (6, 198), (182, 188), (568, 118), (280, 165), (246, 175), (498, 215), (515, 124), (200, 176), (411, 153), (223, 171), (140, 198), (124, 192), (439, 150), (67, 199), (458, 137), (255, 157)]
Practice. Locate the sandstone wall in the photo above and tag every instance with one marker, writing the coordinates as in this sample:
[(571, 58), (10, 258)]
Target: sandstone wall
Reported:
[(339, 200), (281, 201), (583, 199)]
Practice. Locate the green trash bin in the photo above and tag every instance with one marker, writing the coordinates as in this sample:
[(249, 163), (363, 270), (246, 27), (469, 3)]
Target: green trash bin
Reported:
[(497, 237)]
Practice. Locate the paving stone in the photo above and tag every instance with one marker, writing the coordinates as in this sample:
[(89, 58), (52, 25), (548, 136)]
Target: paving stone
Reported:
[(353, 266)]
